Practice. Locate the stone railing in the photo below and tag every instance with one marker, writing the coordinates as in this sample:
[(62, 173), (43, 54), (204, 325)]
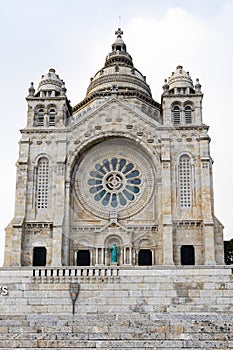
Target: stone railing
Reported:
[(72, 274)]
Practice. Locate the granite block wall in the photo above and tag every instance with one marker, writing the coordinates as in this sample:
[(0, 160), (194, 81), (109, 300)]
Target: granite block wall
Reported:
[(116, 308)]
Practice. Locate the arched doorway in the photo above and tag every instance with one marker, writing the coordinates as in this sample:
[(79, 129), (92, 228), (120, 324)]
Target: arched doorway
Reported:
[(145, 257), (187, 255), (83, 257), (39, 256)]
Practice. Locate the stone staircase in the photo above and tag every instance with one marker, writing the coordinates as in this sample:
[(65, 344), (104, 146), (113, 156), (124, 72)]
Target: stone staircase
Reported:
[(117, 308)]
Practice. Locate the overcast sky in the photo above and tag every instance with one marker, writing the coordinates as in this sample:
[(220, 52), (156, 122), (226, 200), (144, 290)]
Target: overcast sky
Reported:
[(74, 37)]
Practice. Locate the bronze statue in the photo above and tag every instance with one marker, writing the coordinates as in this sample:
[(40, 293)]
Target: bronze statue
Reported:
[(114, 253)]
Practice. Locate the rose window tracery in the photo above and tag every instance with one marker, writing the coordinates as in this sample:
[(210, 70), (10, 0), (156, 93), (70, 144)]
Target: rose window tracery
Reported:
[(114, 182), (114, 177)]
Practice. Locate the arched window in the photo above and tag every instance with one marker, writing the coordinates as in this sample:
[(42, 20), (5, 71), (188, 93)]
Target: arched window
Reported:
[(52, 116), (188, 114), (176, 115), (40, 117), (185, 181), (42, 183)]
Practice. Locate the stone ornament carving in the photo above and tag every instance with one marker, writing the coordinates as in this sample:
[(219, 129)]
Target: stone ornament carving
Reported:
[(114, 175)]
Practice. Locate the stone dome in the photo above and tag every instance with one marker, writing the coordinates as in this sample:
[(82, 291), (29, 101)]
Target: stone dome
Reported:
[(119, 72), (180, 79)]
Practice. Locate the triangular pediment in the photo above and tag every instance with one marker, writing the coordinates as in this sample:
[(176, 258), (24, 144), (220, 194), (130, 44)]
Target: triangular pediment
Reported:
[(112, 111)]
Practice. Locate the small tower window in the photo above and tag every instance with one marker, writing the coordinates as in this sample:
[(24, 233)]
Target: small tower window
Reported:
[(40, 117), (176, 115), (188, 114), (185, 181), (42, 183), (52, 116)]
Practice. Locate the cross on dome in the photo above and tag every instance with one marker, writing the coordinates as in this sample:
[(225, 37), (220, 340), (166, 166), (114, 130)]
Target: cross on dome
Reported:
[(119, 33)]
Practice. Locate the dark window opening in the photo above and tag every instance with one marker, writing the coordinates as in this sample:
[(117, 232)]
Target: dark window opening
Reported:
[(51, 120), (39, 256), (40, 121), (187, 255), (118, 48), (52, 114), (40, 117), (145, 257), (188, 115), (176, 115), (83, 258)]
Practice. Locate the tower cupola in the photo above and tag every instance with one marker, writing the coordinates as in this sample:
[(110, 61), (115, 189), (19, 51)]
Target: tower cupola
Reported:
[(119, 54), (180, 80), (50, 85)]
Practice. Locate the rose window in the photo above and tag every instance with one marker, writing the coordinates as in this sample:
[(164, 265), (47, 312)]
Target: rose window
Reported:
[(114, 183)]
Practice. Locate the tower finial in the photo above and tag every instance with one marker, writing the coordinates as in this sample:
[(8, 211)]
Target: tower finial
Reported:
[(119, 32), (119, 21)]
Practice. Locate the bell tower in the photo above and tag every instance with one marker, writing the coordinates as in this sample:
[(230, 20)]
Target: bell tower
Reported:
[(181, 100), (39, 204), (192, 202), (48, 106)]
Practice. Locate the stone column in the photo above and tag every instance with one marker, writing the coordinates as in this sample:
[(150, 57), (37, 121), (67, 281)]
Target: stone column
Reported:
[(153, 256), (102, 256), (75, 258), (105, 260), (125, 257), (97, 256), (130, 256), (136, 256), (91, 257)]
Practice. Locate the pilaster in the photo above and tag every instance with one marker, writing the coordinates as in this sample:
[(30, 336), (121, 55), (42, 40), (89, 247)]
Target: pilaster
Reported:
[(57, 246), (166, 203), (66, 228), (207, 209)]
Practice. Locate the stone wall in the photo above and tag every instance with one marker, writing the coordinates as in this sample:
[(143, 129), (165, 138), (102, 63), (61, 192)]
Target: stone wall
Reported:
[(142, 308)]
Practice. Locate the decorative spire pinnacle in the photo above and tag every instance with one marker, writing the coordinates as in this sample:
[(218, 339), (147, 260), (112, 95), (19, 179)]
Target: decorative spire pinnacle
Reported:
[(198, 86), (31, 90), (119, 33)]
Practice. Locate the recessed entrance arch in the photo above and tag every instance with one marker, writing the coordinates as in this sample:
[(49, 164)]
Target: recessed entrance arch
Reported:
[(145, 257)]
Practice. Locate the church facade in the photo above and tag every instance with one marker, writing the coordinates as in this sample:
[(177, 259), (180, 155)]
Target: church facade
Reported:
[(116, 170)]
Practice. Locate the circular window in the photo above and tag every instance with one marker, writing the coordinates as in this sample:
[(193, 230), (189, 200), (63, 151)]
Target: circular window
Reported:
[(114, 182), (114, 175)]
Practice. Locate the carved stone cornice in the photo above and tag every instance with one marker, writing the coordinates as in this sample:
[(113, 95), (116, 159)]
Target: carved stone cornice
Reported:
[(188, 223)]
